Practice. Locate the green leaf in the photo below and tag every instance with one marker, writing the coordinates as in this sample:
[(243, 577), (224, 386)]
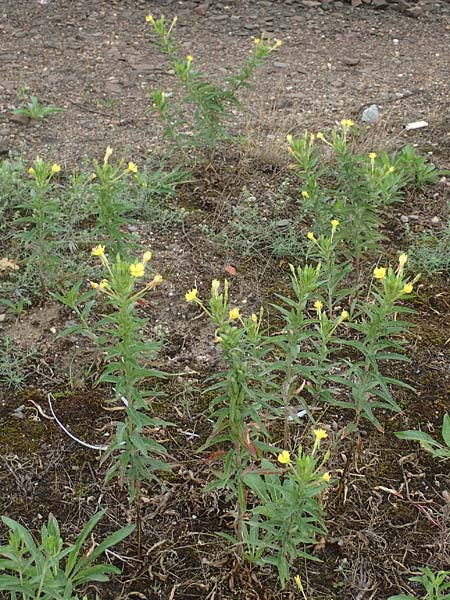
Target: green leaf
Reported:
[(446, 430), (111, 540), (75, 550), (419, 436)]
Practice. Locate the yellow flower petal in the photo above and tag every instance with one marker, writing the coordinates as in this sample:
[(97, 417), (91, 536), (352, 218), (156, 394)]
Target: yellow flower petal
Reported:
[(132, 167), (320, 434), (137, 269), (326, 477), (402, 259), (379, 273), (55, 168), (305, 194), (284, 458), (98, 250), (318, 305), (191, 295), (372, 155), (146, 257), (407, 288), (335, 223), (310, 236), (234, 314)]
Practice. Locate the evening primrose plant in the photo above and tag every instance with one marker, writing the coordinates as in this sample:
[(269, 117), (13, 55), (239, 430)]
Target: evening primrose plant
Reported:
[(111, 204), (206, 125), (238, 403), (42, 220), (40, 569), (353, 188), (380, 337), (287, 514), (119, 334)]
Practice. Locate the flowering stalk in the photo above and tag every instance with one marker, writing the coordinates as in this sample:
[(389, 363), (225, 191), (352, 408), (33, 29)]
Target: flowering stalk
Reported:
[(237, 408), (381, 339), (111, 207), (287, 514), (212, 103), (135, 457), (43, 220)]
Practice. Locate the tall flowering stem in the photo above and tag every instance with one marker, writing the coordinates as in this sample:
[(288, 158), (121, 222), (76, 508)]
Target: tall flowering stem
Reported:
[(237, 407)]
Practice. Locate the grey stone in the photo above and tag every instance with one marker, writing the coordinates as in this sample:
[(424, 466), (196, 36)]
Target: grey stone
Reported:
[(351, 61), (283, 223), (371, 114)]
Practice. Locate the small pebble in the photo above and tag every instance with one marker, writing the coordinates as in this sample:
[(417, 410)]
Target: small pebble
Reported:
[(371, 114)]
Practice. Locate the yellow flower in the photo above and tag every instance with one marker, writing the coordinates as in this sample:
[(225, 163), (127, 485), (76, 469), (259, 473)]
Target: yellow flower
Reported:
[(189, 58), (320, 136), (310, 236), (55, 168), (305, 194), (407, 288), (344, 315), (402, 259), (94, 285), (347, 123), (379, 273), (320, 434), (93, 175), (108, 153), (146, 257), (234, 314), (298, 582), (335, 223), (191, 295), (391, 169), (137, 270), (218, 339), (278, 43), (312, 137), (104, 284), (256, 41), (318, 305), (149, 19), (98, 250), (372, 155), (215, 285), (284, 458), (254, 318), (326, 477), (289, 138), (132, 167), (31, 171), (157, 279)]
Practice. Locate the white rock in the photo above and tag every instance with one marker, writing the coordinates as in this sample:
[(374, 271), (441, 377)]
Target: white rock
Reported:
[(371, 114), (416, 125)]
